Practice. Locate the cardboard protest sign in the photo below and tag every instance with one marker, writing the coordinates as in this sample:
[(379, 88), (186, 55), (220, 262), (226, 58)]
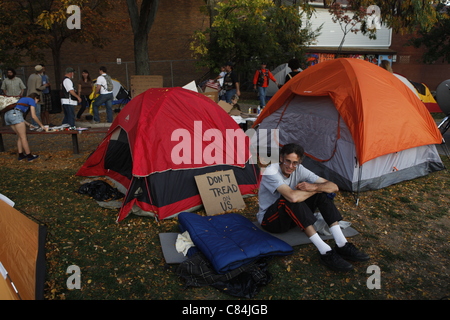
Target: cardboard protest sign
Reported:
[(219, 192), (141, 83)]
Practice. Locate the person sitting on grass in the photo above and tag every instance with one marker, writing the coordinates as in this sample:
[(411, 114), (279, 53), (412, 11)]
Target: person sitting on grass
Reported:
[(288, 196), (15, 118)]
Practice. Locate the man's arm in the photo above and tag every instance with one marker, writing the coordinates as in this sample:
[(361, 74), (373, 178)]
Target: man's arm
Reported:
[(272, 77), (73, 93), (100, 81), (304, 190), (321, 185), (38, 84)]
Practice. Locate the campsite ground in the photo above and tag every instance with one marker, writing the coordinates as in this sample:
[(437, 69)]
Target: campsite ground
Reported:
[(405, 228)]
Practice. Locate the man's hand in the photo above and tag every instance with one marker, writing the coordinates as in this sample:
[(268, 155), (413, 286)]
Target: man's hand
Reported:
[(306, 186), (321, 185)]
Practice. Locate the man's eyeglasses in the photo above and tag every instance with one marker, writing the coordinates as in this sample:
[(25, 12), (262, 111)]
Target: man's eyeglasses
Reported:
[(291, 163)]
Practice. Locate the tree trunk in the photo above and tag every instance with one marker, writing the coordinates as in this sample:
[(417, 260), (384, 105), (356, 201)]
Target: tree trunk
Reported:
[(55, 46), (141, 22), (141, 57)]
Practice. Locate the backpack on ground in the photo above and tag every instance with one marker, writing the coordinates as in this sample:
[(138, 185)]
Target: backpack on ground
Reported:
[(109, 83)]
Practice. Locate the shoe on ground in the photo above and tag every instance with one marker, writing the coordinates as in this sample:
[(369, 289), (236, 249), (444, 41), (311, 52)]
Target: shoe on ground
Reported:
[(334, 261), (350, 252), (32, 157), (21, 157)]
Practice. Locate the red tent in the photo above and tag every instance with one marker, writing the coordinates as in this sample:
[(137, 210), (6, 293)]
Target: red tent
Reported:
[(160, 141)]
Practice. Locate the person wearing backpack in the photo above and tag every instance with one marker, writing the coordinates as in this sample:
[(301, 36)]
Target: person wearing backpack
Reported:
[(104, 87), (261, 82)]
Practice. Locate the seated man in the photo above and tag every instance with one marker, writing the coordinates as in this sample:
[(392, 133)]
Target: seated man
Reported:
[(288, 195)]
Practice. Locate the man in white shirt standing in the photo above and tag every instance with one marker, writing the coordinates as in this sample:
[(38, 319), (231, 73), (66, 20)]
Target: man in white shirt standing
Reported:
[(70, 99), (288, 196), (105, 91)]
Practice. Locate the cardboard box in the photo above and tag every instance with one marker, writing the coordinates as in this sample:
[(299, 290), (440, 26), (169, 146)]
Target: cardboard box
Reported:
[(225, 106), (214, 95), (22, 255), (141, 84)]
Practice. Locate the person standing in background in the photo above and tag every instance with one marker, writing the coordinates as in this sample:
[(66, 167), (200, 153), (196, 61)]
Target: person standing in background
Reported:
[(70, 99), (46, 103), (34, 85), (104, 87), (230, 83), (261, 82), (294, 64), (84, 90), (13, 86)]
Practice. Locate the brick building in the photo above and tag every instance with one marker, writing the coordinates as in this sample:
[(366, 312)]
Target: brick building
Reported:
[(170, 56), (408, 63), (169, 52)]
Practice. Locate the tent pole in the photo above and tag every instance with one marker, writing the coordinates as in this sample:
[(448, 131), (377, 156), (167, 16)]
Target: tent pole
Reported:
[(359, 185), (445, 148)]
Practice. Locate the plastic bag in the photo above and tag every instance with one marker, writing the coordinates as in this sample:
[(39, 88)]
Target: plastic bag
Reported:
[(100, 191)]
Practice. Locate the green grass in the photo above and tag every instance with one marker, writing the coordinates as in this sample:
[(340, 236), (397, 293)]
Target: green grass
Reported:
[(404, 228)]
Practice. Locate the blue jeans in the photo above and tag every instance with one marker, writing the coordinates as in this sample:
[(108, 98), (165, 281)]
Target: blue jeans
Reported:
[(107, 100), (262, 96), (13, 117), (229, 94), (69, 114)]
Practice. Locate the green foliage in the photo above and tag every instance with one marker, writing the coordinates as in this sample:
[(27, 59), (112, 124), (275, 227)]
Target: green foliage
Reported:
[(435, 41), (16, 40), (246, 32), (27, 27), (403, 16)]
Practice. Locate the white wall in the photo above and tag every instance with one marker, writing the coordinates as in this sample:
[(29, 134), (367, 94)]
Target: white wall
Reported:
[(331, 34)]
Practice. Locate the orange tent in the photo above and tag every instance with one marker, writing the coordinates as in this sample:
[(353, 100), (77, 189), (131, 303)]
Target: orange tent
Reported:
[(361, 126), (382, 114)]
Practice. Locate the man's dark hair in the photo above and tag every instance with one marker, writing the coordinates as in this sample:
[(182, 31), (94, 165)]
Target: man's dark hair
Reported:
[(292, 148), (12, 70), (103, 69), (294, 64)]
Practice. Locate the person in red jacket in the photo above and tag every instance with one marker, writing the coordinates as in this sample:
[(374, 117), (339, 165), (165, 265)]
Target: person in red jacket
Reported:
[(261, 82)]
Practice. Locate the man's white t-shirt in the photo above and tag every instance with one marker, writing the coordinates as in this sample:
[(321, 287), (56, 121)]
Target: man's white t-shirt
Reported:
[(273, 178), (101, 81), (68, 85)]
